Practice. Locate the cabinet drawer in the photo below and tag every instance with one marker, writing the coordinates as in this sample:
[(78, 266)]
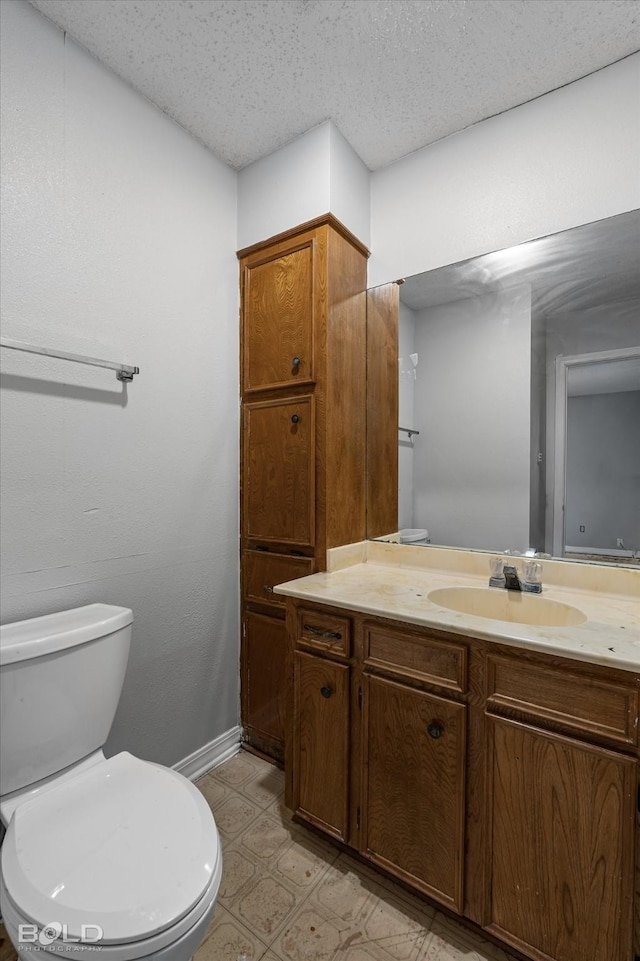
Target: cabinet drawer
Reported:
[(419, 656), (325, 632), (575, 700), (263, 570)]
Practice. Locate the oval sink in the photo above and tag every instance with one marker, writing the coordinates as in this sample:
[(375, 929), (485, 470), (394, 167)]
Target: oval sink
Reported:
[(503, 605)]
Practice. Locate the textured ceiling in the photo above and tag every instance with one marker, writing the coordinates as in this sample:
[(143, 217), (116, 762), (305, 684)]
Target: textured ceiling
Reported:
[(247, 76)]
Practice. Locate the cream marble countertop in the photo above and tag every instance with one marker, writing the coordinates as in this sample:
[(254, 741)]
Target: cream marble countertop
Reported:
[(391, 580)]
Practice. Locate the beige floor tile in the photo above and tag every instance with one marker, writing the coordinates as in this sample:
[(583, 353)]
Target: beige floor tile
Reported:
[(265, 787), (281, 813), (265, 838), (303, 862), (345, 891), (265, 906), (310, 936), (238, 872), (228, 939), (234, 815), (239, 769), (213, 790), (448, 941)]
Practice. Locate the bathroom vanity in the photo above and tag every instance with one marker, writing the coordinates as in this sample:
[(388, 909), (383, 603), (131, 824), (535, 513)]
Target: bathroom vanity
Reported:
[(490, 764)]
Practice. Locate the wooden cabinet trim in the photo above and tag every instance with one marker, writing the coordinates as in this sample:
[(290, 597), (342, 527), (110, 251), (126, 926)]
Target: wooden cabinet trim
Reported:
[(579, 702), (419, 656), (328, 220)]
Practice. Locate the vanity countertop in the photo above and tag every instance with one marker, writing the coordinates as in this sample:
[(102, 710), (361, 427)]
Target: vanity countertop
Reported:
[(381, 581)]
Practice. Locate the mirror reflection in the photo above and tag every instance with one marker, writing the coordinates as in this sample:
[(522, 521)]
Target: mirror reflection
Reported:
[(519, 398)]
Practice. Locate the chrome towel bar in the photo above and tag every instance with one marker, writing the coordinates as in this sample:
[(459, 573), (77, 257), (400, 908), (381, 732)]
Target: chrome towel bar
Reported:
[(123, 371)]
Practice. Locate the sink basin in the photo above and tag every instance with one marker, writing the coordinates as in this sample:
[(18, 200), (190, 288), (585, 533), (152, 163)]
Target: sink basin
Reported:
[(503, 605)]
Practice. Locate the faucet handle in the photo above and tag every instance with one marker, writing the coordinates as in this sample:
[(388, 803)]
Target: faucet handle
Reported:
[(532, 577), (497, 573)]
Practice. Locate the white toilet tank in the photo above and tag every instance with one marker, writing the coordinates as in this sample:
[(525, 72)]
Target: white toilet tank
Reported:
[(60, 681)]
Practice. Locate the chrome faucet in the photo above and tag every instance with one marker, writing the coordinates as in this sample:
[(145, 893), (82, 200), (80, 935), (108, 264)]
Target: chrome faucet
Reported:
[(511, 578)]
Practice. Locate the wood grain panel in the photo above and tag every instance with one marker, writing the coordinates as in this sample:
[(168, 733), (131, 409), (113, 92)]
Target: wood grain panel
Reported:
[(418, 656), (262, 570), (382, 410), (278, 318), (263, 670), (562, 823), (575, 700), (342, 449), (278, 490), (321, 743), (415, 787)]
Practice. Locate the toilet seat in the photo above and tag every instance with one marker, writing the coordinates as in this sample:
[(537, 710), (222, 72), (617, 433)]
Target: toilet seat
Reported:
[(128, 845)]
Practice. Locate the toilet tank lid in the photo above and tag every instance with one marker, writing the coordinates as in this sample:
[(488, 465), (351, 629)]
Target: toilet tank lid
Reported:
[(38, 636)]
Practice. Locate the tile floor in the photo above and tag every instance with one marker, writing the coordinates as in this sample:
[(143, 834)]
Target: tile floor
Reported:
[(286, 895)]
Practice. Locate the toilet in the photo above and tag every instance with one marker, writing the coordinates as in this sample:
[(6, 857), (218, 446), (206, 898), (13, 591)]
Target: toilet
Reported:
[(111, 855)]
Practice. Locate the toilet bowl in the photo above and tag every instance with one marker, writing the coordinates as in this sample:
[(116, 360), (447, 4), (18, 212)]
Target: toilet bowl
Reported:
[(118, 854)]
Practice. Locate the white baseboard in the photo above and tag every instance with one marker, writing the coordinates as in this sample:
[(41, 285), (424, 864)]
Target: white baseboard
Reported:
[(599, 551), (210, 755)]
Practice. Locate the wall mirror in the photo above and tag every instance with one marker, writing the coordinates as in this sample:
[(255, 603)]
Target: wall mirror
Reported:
[(519, 398)]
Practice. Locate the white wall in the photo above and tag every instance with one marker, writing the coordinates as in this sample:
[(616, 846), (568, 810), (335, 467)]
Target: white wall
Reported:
[(407, 377), (604, 327), (118, 241), (603, 470), (316, 173), (472, 408), (565, 159)]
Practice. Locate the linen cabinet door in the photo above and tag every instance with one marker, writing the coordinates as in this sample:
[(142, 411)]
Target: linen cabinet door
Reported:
[(278, 488), (263, 674), (414, 787), (561, 819), (278, 317), (321, 743)]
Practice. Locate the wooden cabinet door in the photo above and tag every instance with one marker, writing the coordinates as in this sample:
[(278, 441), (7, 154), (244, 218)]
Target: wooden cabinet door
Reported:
[(561, 824), (321, 742), (414, 787), (263, 675), (278, 485), (278, 319)]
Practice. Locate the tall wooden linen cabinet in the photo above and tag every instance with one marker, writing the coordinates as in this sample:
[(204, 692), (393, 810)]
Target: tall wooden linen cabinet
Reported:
[(303, 438)]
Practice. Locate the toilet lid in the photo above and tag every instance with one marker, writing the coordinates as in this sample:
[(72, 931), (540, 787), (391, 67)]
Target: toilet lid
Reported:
[(128, 846)]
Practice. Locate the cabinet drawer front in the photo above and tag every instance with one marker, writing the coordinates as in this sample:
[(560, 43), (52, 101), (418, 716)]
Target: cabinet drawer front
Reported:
[(322, 742), (262, 570), (278, 483), (418, 656), (325, 632), (576, 701), (278, 318)]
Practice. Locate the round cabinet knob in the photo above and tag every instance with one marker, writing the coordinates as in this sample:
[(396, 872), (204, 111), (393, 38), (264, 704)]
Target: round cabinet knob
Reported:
[(295, 362), (435, 729), (326, 691), (295, 419)]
